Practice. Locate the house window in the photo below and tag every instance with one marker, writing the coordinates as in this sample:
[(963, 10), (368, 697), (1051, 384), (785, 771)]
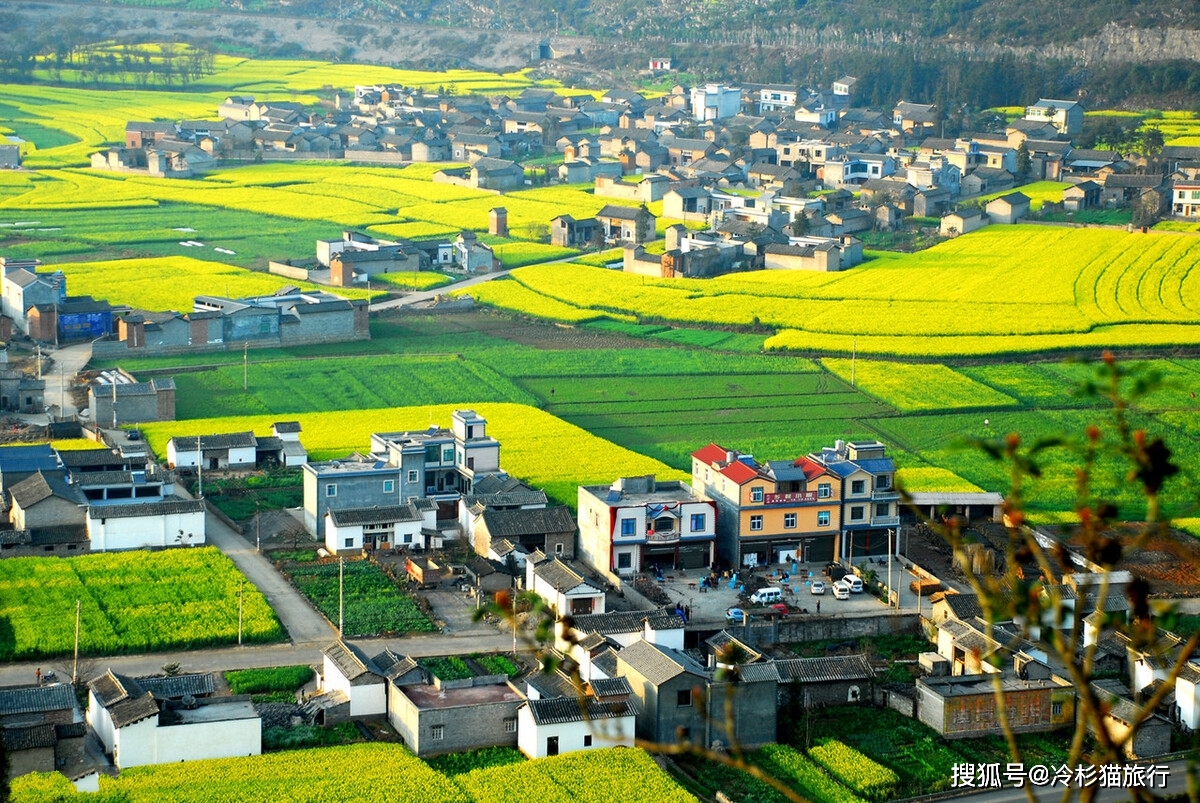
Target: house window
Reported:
[(858, 487), (628, 526), (823, 518), (756, 494), (858, 513), (510, 725), (624, 560), (448, 454), (389, 486), (789, 521), (431, 453), (683, 698), (349, 543), (412, 476), (587, 740), (883, 510), (824, 491), (699, 521), (331, 489), (883, 481), (437, 732), (408, 538), (756, 522), (1056, 709), (558, 549)]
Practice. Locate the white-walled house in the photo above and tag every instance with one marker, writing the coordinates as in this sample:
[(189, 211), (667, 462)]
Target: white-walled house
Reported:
[(136, 730), (1187, 695), (565, 589), (551, 727), (348, 672), (656, 626), (171, 522), (638, 522), (232, 450), (387, 527)]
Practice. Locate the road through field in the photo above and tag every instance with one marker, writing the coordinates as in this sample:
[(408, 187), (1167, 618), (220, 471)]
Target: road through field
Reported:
[(429, 295)]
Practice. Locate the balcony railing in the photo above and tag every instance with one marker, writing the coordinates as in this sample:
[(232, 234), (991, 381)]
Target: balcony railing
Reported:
[(885, 495), (885, 521), (662, 536), (795, 497)]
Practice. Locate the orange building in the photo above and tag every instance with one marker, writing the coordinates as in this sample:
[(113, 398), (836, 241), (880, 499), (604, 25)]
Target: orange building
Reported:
[(767, 513)]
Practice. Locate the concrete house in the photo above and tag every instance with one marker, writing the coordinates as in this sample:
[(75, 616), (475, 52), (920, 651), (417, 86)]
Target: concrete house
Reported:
[(638, 522), (568, 232), (870, 499), (169, 521), (826, 681), (24, 288), (235, 450), (826, 254), (625, 224), (963, 221), (679, 700), (1008, 208), (565, 589), (1065, 115), (46, 500), (550, 530), (437, 464), (773, 512), (142, 721), (435, 717), (412, 525), (966, 706), (115, 397), (557, 719), (472, 256), (352, 677), (38, 724)]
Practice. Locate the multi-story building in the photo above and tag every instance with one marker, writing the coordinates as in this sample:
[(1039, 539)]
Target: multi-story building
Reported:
[(437, 464), (870, 501), (774, 512), (638, 522)]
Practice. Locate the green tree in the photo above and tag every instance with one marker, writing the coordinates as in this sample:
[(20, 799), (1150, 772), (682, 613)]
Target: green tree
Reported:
[(799, 224), (1024, 163)]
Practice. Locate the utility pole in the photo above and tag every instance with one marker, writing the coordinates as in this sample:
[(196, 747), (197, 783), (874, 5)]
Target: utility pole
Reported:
[(853, 360), (245, 367), (114, 400), (75, 663), (514, 620), (257, 525), (341, 598), (61, 390), (241, 593), (199, 469), (890, 551)]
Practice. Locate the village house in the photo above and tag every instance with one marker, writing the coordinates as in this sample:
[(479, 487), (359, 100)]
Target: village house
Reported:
[(163, 720), (638, 522), (773, 512), (567, 591)]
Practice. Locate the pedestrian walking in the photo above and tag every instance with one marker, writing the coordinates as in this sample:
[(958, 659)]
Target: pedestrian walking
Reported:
[(38, 676), (818, 606)]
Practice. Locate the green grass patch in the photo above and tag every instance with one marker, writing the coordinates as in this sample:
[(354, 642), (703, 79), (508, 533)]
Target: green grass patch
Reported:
[(273, 679), (459, 763)]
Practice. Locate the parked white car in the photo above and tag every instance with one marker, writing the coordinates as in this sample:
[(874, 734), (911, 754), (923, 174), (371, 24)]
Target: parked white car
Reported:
[(841, 591), (854, 583), (817, 588)]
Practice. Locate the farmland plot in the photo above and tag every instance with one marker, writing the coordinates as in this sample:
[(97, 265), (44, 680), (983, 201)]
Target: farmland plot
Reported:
[(131, 602), (373, 604)]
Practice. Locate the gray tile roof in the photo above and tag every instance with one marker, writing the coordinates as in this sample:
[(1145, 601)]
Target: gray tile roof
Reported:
[(347, 517), (560, 710), (560, 575), (229, 440), (606, 662), (178, 686), (29, 737), (536, 521), (626, 621), (522, 497), (286, 426), (395, 666), (31, 490), (354, 666), (963, 606), (827, 669), (126, 701), (168, 506), (37, 699), (657, 664), (610, 687)]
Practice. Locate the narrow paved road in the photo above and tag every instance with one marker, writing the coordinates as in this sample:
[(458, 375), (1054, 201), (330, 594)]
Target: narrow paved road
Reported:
[(303, 623), (249, 657), (429, 295)]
